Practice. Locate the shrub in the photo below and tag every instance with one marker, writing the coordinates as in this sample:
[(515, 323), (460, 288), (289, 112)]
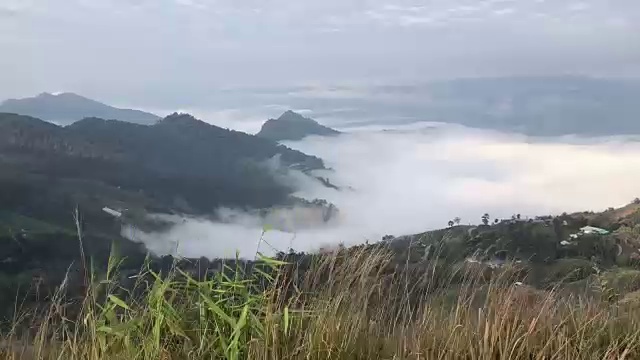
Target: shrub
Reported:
[(344, 305)]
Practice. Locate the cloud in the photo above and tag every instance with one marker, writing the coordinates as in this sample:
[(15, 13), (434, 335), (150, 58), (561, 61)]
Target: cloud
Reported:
[(336, 92), (191, 3), (505, 11), (185, 49), (410, 179), (579, 6), (17, 7), (7, 12)]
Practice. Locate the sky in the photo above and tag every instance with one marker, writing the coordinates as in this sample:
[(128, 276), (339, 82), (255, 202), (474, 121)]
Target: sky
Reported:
[(178, 53), (418, 177)]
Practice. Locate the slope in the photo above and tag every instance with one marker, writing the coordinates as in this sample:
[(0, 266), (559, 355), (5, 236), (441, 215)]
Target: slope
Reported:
[(67, 108), (180, 164)]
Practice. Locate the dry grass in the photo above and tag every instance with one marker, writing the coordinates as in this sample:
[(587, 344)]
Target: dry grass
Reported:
[(347, 306)]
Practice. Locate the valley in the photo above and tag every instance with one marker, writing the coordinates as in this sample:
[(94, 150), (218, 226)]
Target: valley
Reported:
[(182, 199)]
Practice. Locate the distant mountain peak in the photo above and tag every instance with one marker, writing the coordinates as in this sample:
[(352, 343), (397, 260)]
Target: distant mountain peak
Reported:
[(53, 94), (176, 116), (91, 122), (181, 119), (291, 115), (293, 126), (65, 108), (60, 96)]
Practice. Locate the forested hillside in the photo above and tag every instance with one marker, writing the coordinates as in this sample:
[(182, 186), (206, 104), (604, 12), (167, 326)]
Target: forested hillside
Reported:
[(180, 162)]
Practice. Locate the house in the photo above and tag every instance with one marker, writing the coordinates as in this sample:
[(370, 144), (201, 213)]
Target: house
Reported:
[(593, 230), (589, 230), (112, 212)]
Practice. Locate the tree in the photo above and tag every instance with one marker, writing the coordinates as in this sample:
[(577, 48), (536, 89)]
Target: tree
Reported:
[(518, 216), (457, 220), (496, 221), (450, 223), (485, 218)]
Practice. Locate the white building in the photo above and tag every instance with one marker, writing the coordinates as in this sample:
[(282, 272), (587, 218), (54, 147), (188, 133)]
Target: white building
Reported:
[(114, 213)]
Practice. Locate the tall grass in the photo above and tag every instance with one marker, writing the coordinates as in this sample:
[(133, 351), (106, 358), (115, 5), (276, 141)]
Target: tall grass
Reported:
[(350, 304)]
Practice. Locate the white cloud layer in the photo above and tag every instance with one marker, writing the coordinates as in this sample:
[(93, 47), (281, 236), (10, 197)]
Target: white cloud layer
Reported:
[(414, 178), (173, 53)]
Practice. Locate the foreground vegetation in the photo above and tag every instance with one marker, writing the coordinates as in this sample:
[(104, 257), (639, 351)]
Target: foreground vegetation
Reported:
[(348, 304), (506, 289)]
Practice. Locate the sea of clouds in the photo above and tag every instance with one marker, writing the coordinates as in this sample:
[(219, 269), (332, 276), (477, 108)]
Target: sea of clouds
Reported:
[(404, 180)]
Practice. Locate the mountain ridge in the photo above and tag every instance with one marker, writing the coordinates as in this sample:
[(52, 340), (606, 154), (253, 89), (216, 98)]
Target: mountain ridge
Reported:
[(181, 160), (67, 108)]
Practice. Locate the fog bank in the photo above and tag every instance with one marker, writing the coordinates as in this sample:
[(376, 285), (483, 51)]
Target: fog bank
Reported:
[(411, 179)]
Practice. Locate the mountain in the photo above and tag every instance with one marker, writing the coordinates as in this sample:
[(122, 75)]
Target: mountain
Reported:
[(66, 108), (293, 126), (180, 164), (114, 173)]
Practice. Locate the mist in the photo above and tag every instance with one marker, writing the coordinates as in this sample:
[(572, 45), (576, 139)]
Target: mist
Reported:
[(406, 180)]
